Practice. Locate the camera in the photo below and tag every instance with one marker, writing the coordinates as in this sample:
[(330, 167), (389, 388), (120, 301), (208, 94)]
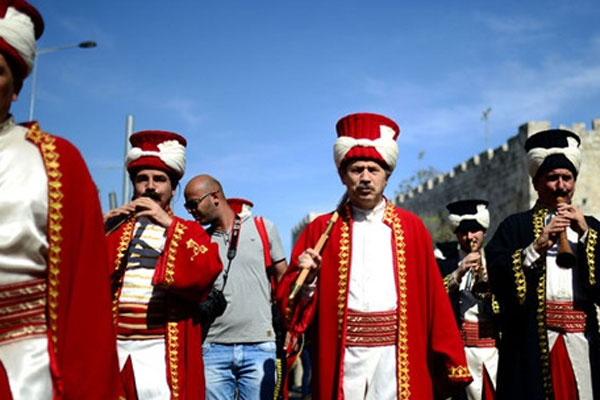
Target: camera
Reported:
[(213, 307)]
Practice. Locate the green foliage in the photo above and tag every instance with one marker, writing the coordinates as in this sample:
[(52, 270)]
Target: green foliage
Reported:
[(438, 227), (420, 177)]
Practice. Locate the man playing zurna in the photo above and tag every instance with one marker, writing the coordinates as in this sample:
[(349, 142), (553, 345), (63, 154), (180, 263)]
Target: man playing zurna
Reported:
[(162, 267), (465, 275), (384, 325), (57, 339), (549, 345)]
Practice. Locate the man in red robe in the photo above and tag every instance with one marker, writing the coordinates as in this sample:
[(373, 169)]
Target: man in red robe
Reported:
[(384, 326), (57, 338), (162, 267)]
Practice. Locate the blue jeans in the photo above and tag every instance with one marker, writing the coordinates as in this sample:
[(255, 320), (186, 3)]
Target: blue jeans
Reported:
[(245, 369)]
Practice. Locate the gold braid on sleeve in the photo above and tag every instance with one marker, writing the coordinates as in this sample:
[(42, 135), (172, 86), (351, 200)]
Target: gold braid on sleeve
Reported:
[(520, 283), (590, 249), (447, 280)]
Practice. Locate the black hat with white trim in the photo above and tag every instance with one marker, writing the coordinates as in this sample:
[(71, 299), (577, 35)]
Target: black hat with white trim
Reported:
[(551, 149), (469, 215)]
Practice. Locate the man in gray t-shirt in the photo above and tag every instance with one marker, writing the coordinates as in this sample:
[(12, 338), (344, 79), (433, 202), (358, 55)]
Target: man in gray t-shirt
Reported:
[(239, 351)]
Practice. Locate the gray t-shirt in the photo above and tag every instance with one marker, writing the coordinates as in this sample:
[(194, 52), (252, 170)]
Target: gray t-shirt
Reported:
[(247, 318)]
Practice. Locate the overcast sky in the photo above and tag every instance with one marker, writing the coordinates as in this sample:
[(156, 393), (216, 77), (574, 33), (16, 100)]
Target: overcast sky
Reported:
[(257, 86)]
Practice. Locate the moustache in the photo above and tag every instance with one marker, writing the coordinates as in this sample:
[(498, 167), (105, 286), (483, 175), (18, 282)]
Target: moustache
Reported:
[(364, 186), (560, 193), (151, 194)]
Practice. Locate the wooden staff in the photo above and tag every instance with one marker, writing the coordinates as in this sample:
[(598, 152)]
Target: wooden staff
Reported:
[(565, 257), (319, 246)]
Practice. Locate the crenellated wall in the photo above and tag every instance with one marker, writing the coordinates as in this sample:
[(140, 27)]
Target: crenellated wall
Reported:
[(500, 176)]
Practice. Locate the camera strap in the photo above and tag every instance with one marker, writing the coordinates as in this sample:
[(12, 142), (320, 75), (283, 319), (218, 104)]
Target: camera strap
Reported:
[(233, 243)]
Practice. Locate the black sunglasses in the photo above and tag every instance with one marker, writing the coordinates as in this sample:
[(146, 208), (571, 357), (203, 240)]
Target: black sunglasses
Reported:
[(191, 205)]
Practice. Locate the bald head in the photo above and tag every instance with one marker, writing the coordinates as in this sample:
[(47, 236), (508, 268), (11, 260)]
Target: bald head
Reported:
[(205, 200), (204, 183)]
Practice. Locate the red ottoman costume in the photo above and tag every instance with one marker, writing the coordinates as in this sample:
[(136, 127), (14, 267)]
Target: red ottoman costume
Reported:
[(77, 297), (421, 328), (182, 268), (186, 268), (57, 339)]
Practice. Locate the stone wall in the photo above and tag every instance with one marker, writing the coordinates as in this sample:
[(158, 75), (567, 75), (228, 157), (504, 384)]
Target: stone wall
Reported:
[(500, 176)]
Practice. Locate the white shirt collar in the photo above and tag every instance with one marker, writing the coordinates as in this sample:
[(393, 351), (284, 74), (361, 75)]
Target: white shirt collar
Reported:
[(374, 214)]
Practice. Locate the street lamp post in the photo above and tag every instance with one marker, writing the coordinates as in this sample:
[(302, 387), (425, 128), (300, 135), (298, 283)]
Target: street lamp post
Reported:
[(83, 45)]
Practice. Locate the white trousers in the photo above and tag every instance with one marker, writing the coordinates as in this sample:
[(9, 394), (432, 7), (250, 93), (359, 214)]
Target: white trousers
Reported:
[(27, 366), (149, 367), (370, 373)]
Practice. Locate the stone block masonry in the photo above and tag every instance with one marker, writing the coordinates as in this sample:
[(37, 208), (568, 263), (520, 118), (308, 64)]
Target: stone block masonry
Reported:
[(500, 176)]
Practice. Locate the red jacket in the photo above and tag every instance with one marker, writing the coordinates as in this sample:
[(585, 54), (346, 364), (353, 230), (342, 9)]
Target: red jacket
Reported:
[(81, 334), (187, 268), (429, 345)]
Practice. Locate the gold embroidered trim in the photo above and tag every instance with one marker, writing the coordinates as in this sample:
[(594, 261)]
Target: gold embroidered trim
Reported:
[(543, 334), (22, 289), (561, 316), (520, 283), (371, 329), (121, 250), (447, 280), (23, 310), (55, 196), (539, 215), (170, 265), (590, 249), (460, 372), (124, 242), (173, 346), (196, 248), (32, 327), (390, 217), (344, 262), (495, 305)]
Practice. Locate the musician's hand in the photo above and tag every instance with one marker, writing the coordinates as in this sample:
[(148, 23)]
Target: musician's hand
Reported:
[(550, 233), (127, 209), (576, 218), (471, 261), (311, 260), (146, 207)]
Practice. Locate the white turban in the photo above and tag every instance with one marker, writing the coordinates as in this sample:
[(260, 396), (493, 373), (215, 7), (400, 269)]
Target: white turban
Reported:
[(17, 29), (385, 145), (170, 152), (482, 216), (537, 155)]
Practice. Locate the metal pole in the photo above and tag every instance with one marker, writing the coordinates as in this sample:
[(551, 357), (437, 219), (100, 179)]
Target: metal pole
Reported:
[(485, 116), (83, 45), (112, 200), (126, 184), (33, 81)]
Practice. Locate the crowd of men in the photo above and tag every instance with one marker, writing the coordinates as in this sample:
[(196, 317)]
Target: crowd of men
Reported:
[(139, 303)]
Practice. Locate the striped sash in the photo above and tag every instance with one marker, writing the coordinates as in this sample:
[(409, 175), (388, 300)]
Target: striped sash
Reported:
[(22, 310), (372, 329)]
